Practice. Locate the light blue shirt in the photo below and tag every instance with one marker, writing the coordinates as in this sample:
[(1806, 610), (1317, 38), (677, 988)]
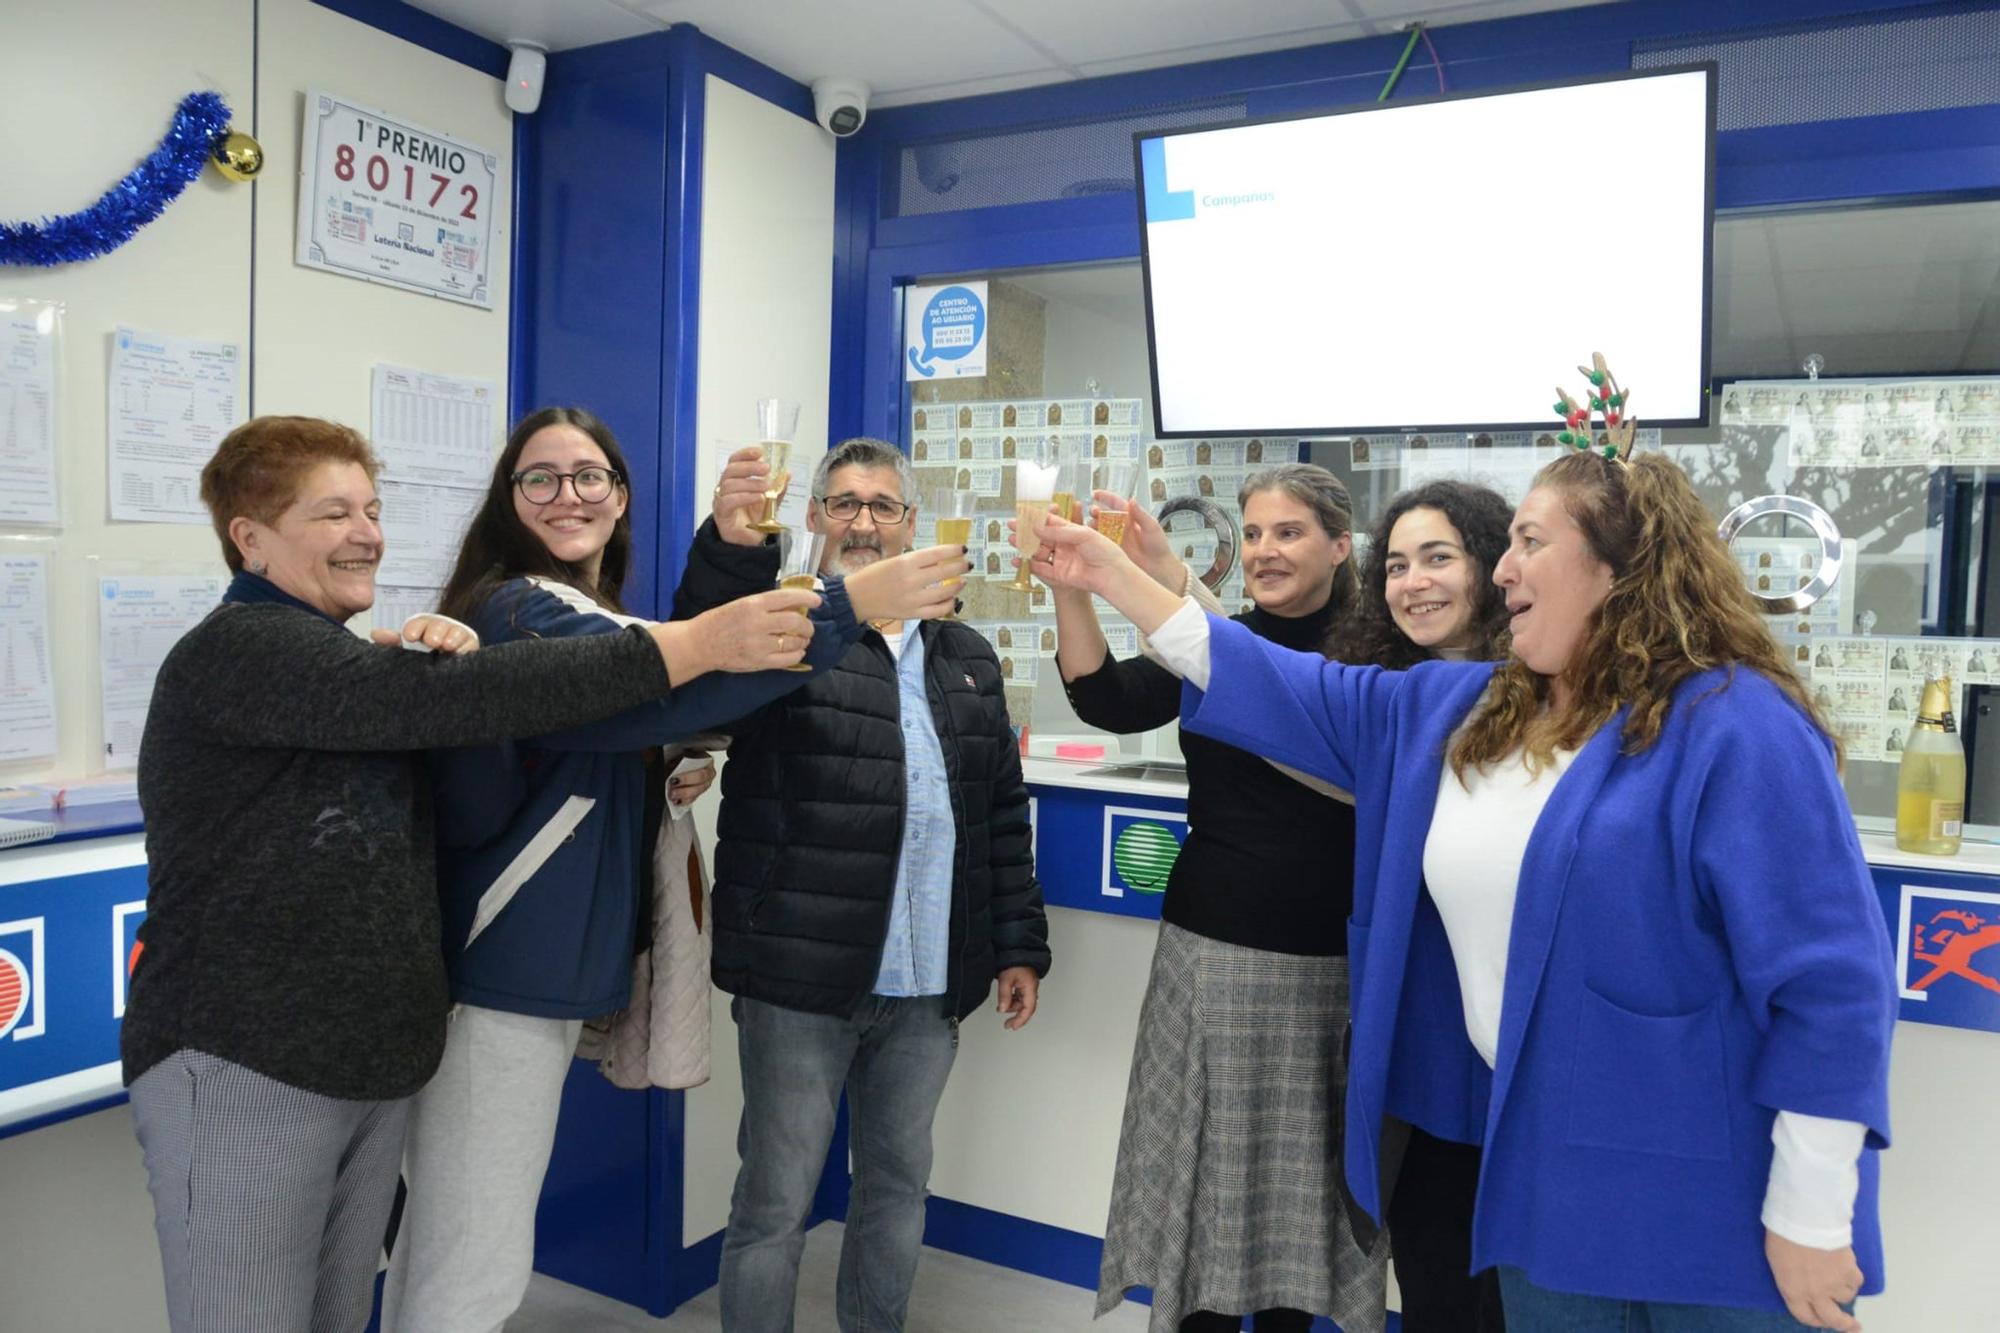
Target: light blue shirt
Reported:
[(915, 957)]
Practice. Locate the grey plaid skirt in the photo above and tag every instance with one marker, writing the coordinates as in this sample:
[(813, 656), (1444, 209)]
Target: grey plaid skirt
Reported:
[(1228, 1193)]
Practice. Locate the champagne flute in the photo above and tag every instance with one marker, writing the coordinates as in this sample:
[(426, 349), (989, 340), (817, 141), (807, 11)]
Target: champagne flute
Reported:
[(777, 424), (1035, 475), (1115, 477), (799, 568), (954, 525), (1072, 482)]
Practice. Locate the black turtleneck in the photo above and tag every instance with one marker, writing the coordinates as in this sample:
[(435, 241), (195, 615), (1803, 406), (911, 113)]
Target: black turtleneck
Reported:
[(1269, 863)]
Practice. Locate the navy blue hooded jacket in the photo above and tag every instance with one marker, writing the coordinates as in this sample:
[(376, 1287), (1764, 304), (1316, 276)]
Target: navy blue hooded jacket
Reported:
[(542, 843)]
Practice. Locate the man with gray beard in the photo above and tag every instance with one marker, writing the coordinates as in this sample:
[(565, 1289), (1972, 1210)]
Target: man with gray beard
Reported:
[(874, 877)]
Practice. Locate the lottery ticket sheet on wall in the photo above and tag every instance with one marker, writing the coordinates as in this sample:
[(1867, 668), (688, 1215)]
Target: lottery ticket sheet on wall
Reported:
[(1874, 423), (973, 446), (1870, 686)]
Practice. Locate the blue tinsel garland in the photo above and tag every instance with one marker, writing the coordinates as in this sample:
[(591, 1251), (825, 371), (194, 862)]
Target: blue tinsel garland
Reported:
[(130, 204)]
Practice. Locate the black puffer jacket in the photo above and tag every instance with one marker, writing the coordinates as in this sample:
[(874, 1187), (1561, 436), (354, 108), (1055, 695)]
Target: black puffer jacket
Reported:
[(812, 816)]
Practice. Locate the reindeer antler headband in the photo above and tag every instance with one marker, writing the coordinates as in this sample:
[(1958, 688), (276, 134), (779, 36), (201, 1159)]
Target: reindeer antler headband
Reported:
[(1606, 397)]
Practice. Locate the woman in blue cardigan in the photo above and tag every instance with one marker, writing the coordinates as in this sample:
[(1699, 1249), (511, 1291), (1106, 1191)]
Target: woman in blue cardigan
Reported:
[(1611, 916), (546, 849)]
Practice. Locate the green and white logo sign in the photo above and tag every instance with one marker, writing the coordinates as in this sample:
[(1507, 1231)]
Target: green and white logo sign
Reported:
[(1140, 848)]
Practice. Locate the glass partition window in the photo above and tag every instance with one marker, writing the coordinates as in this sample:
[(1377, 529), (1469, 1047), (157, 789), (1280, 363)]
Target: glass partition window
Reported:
[(1067, 369)]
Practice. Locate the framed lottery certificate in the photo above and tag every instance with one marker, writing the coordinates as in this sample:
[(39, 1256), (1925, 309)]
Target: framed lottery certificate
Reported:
[(386, 201)]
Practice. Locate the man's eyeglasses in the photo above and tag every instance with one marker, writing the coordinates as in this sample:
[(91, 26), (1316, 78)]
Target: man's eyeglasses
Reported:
[(847, 508), (541, 485)]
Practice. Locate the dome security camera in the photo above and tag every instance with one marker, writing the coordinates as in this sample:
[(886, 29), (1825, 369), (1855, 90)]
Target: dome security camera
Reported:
[(840, 105)]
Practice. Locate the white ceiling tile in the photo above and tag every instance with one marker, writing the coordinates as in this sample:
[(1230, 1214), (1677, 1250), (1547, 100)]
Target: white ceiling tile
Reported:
[(999, 83), (1090, 32), (890, 45), (1247, 46), (1439, 13), (556, 24)]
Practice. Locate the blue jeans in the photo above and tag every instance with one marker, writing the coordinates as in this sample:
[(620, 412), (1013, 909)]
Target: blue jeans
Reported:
[(1539, 1310), (893, 1057)]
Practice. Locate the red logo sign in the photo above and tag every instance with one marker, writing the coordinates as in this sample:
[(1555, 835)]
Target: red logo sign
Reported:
[(16, 991), (1951, 942)]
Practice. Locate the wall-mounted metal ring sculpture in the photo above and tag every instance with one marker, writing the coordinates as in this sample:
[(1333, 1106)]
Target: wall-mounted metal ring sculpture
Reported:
[(1814, 517), (1217, 520)]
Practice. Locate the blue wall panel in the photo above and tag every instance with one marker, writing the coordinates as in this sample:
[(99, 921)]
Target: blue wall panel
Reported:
[(592, 252)]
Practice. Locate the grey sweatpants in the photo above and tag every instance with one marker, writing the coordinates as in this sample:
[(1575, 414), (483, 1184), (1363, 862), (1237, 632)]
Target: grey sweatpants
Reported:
[(480, 1139), (269, 1201)]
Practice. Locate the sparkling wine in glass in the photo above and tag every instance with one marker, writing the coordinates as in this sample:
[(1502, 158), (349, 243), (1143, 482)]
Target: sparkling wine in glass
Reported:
[(1035, 476), (1115, 478), (1072, 482), (800, 569), (954, 525), (777, 425)]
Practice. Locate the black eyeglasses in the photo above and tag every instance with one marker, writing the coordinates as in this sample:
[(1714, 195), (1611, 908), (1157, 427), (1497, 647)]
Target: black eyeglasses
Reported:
[(541, 485), (847, 508)]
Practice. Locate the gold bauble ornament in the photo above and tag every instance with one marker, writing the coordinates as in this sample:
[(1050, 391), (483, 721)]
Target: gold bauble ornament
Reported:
[(238, 156)]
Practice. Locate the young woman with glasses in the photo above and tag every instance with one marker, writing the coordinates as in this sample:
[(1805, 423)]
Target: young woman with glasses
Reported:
[(547, 851)]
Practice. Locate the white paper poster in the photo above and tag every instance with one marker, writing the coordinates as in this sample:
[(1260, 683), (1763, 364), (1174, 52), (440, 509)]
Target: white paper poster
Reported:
[(172, 399), (28, 412), (422, 527), (27, 689), (944, 331), (438, 429), (139, 618), (387, 201)]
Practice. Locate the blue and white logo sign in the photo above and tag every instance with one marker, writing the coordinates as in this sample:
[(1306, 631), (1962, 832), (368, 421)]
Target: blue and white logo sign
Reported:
[(944, 331)]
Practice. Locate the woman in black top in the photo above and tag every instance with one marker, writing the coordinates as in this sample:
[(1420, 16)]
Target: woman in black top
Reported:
[(1228, 1196)]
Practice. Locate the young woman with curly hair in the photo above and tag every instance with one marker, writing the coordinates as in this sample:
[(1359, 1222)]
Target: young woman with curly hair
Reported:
[(1427, 585), (1427, 592)]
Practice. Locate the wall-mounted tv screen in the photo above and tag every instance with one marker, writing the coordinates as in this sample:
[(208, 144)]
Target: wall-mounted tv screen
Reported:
[(1432, 265)]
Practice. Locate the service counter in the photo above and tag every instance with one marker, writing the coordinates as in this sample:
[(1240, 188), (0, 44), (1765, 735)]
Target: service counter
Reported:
[(1100, 845)]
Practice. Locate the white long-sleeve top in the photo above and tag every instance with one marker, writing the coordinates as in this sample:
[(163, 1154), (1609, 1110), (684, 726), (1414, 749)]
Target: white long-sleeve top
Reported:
[(1473, 872)]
